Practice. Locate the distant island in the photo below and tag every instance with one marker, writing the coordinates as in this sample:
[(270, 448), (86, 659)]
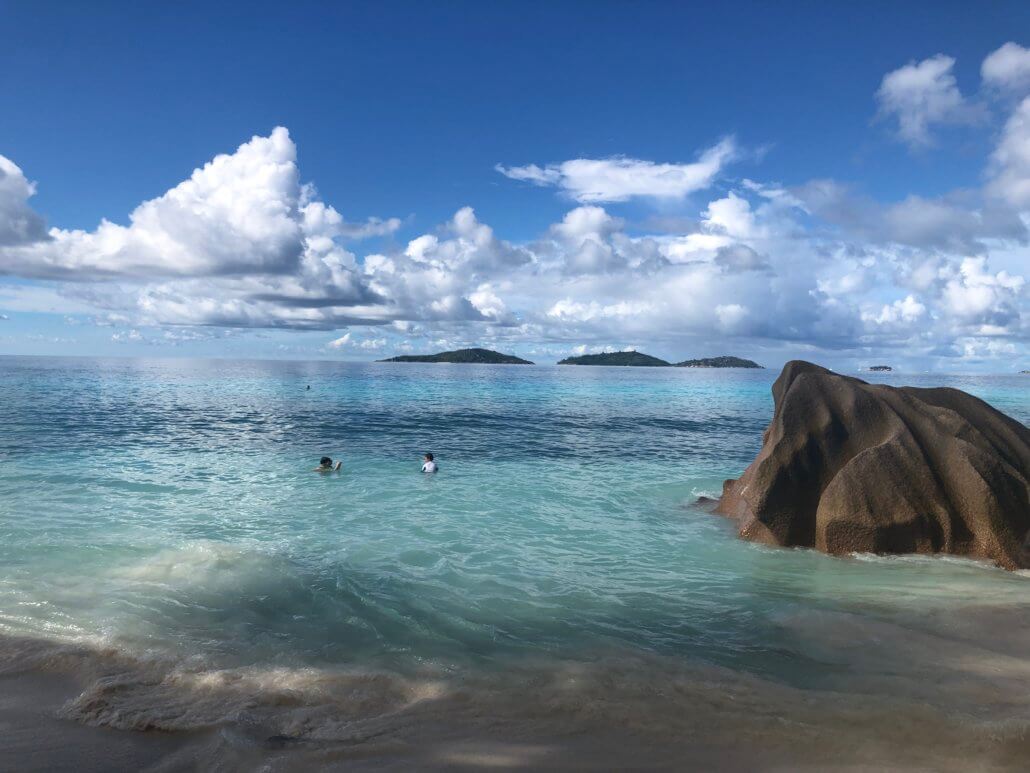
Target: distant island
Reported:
[(719, 362), (475, 356), (639, 359), (633, 359), (882, 368)]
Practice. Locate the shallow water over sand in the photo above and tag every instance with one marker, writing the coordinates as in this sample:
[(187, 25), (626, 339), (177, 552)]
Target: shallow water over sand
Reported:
[(164, 542)]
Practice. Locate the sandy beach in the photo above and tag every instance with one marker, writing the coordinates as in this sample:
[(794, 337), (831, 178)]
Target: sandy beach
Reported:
[(619, 715)]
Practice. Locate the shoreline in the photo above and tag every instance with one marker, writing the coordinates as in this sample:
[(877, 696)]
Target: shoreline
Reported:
[(630, 712), (35, 738)]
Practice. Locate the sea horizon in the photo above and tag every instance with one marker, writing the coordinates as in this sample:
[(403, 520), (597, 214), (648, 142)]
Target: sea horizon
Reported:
[(895, 371)]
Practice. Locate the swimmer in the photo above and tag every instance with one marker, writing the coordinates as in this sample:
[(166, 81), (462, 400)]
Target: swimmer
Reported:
[(428, 465), (326, 464)]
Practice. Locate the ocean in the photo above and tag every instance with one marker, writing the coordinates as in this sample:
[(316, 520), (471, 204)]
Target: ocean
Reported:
[(165, 543)]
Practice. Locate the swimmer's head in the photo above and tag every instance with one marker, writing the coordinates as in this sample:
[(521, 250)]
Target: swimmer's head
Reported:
[(428, 457), (325, 461)]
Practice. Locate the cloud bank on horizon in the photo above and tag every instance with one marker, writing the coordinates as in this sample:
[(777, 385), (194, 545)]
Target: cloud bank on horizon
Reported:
[(247, 243)]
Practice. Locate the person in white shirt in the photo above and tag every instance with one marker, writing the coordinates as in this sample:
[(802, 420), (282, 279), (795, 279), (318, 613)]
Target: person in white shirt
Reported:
[(428, 465)]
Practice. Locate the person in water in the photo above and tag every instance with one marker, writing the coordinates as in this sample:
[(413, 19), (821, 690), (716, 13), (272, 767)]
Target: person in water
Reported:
[(326, 464), (428, 465)]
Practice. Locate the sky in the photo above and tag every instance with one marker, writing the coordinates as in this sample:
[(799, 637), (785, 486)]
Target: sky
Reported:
[(848, 184)]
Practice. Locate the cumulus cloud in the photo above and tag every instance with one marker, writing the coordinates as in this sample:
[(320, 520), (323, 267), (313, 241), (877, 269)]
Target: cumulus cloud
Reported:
[(1010, 163), (816, 265), (1007, 68), (921, 95), (731, 216), (472, 247), (740, 257), (731, 316), (350, 341), (960, 222), (584, 237), (19, 224), (976, 296), (619, 179), (568, 309), (904, 311), (237, 214)]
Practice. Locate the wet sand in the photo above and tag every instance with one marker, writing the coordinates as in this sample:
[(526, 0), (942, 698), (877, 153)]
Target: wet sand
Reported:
[(34, 738), (71, 709)]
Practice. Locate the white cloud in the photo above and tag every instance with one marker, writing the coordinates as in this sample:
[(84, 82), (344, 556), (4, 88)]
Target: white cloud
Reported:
[(487, 302), (584, 236), (619, 179), (817, 266), (237, 214), (1010, 163), (128, 336), (973, 294), (1007, 68), (18, 223), (571, 310), (550, 175), (348, 341), (959, 223), (731, 316), (731, 216), (586, 223), (921, 95), (374, 226), (740, 257), (472, 248), (986, 348), (907, 310), (319, 219)]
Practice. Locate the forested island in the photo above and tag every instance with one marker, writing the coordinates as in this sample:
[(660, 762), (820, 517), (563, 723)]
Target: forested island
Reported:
[(719, 362), (475, 356), (640, 359), (621, 359), (634, 359)]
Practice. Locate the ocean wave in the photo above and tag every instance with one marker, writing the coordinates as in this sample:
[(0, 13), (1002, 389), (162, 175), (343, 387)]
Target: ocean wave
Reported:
[(200, 562), (941, 558), (697, 493)]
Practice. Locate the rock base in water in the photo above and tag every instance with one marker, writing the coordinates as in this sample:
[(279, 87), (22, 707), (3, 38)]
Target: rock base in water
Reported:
[(848, 466)]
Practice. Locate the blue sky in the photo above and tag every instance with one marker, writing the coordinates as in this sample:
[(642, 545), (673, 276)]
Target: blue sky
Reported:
[(863, 211)]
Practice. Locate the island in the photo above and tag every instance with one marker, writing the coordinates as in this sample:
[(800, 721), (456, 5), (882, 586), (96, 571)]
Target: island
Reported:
[(474, 356), (880, 368), (631, 358), (719, 362)]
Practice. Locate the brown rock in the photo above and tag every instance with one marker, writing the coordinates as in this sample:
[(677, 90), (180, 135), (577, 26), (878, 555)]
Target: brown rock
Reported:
[(847, 466)]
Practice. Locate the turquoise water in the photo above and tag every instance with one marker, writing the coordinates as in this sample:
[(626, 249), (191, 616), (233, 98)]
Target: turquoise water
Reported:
[(165, 512)]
